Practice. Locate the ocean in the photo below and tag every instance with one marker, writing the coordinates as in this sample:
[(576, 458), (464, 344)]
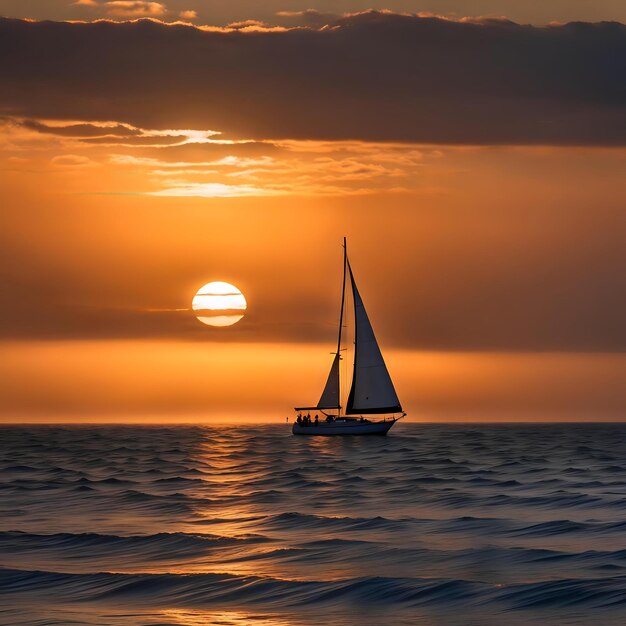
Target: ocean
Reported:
[(249, 525)]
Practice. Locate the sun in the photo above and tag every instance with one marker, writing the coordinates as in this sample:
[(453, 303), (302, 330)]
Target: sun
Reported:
[(219, 304)]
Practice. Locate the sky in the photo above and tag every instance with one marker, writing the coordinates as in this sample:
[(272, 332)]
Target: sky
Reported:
[(473, 152)]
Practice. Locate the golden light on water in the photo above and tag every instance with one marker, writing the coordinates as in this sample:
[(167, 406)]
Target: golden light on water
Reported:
[(219, 304), (191, 617)]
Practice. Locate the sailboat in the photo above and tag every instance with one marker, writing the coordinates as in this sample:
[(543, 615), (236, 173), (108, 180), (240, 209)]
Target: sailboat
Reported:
[(371, 394)]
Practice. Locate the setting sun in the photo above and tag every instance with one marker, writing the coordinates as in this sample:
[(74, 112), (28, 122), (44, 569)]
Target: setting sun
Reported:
[(219, 304)]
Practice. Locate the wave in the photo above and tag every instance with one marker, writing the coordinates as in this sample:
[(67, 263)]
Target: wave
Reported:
[(301, 521), (561, 527), (155, 553), (293, 521), (224, 589), (159, 546)]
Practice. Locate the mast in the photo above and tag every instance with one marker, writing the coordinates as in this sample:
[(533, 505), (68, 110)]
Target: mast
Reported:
[(343, 301), (343, 293)]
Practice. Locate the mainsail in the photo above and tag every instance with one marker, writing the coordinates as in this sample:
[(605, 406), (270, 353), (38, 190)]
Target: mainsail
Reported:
[(372, 390)]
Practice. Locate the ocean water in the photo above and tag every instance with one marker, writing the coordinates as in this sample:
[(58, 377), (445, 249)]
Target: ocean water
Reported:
[(249, 525)]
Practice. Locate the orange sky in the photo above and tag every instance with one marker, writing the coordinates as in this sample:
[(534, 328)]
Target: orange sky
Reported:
[(490, 253), (153, 381)]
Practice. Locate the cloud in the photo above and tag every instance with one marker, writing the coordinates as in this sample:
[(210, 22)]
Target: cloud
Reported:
[(111, 133), (72, 161), (129, 8), (236, 168), (309, 17), (344, 170), (188, 15), (88, 129), (374, 76), (213, 190)]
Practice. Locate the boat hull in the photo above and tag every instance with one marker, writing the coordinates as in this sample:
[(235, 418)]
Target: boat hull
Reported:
[(340, 427)]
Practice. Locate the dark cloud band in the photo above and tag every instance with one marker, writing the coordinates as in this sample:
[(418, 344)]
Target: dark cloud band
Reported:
[(371, 76)]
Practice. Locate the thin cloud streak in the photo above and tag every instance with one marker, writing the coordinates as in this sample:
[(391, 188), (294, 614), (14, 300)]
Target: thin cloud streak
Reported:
[(213, 190)]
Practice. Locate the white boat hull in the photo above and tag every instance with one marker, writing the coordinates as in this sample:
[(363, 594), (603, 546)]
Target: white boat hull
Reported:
[(344, 427)]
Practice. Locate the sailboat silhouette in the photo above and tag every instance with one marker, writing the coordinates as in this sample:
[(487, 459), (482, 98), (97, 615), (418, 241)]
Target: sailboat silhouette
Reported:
[(371, 391)]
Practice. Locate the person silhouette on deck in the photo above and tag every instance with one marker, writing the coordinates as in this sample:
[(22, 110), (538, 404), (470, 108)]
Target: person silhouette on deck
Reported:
[(316, 419)]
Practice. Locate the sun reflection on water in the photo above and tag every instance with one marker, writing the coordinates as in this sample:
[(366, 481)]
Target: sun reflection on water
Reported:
[(188, 617)]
